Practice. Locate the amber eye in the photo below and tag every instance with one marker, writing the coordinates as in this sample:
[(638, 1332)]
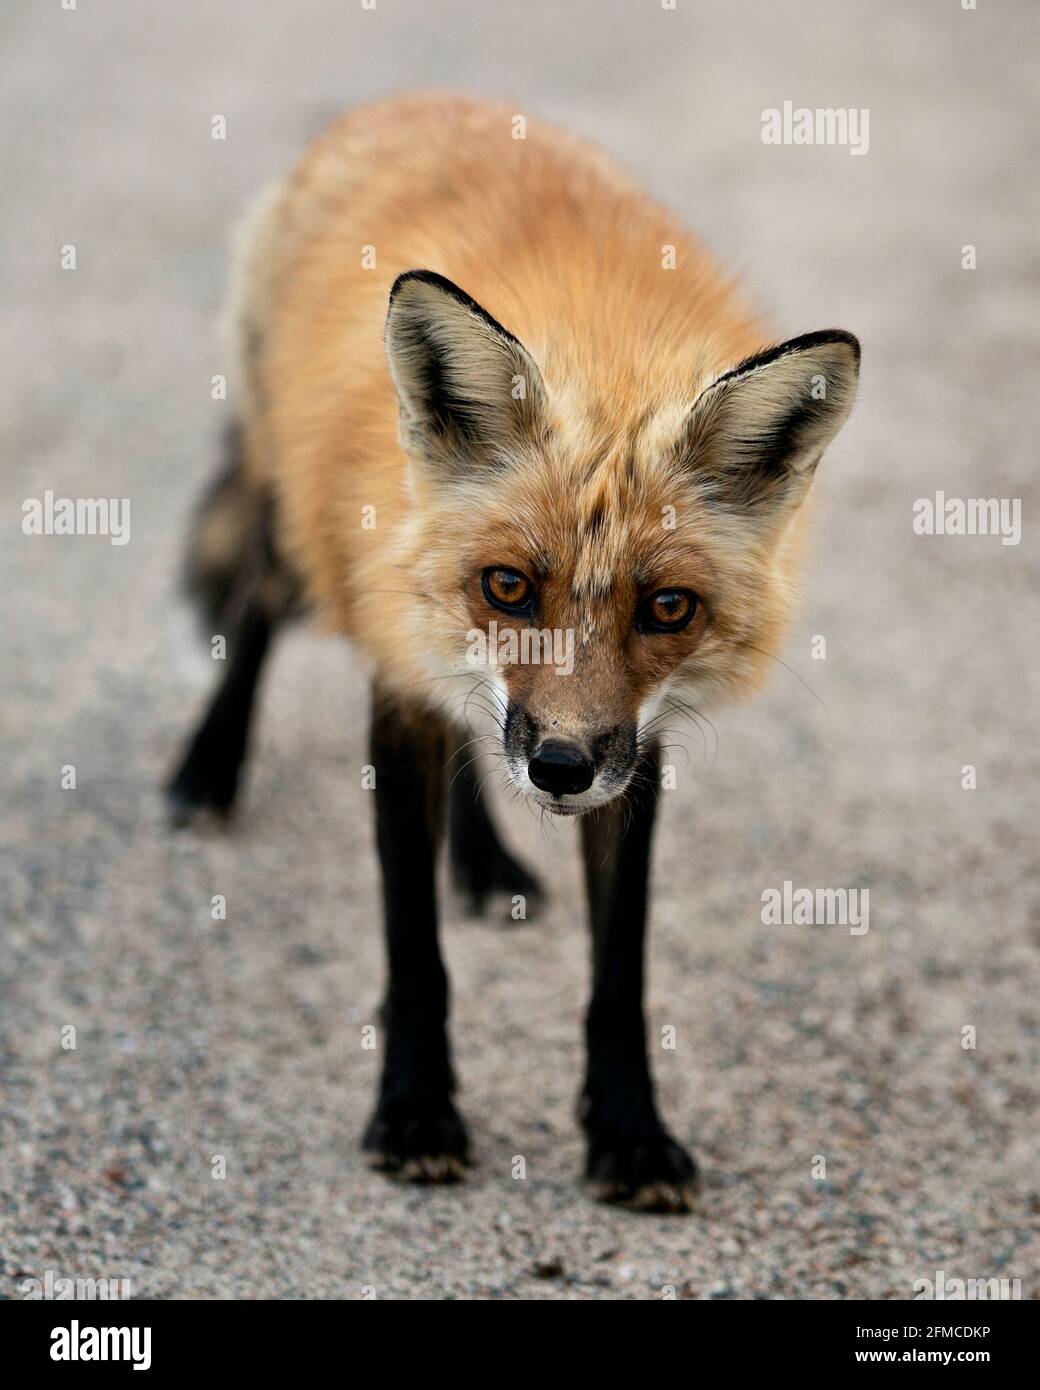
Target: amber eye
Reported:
[(668, 610), (508, 589)]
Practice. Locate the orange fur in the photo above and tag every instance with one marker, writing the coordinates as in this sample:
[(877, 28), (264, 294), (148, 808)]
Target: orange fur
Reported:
[(566, 253)]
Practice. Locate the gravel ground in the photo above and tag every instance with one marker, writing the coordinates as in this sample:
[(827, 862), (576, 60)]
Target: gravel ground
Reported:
[(242, 1038)]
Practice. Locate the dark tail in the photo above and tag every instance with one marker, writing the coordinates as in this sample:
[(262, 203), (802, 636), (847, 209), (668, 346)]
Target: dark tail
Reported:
[(231, 560), (242, 592)]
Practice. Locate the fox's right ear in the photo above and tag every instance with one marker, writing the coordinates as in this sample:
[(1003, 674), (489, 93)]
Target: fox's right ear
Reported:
[(469, 392)]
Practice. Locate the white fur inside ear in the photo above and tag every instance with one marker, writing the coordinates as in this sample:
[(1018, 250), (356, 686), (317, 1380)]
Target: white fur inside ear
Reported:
[(760, 428), (467, 388)]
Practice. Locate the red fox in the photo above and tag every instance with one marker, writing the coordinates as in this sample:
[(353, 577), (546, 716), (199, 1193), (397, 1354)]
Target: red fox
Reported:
[(490, 390)]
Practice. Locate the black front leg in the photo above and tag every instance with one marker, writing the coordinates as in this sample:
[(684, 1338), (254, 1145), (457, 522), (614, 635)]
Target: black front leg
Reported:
[(631, 1156), (415, 1132)]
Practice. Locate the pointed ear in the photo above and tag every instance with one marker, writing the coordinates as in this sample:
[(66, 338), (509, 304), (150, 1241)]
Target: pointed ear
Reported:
[(755, 435), (467, 389)]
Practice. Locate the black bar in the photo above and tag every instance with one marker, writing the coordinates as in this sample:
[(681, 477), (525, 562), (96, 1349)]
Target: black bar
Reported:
[(781, 1337)]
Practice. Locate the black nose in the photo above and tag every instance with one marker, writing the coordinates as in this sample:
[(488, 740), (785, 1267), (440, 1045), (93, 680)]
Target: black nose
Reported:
[(560, 769)]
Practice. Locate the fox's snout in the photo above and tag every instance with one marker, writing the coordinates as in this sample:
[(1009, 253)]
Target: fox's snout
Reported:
[(561, 769), (567, 771)]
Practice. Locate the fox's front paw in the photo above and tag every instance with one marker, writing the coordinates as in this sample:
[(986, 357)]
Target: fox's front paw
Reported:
[(645, 1169), (420, 1140)]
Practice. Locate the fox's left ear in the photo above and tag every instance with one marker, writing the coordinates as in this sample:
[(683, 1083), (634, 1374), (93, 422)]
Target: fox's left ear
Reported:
[(755, 434), (469, 391)]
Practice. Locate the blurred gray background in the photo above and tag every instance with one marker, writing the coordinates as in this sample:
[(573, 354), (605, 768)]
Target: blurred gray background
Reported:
[(242, 1038)]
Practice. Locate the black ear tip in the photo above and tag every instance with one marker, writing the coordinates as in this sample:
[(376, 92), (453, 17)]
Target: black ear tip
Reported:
[(827, 337), (836, 335), (839, 335), (806, 342), (421, 277), (449, 288), (435, 281), (823, 338)]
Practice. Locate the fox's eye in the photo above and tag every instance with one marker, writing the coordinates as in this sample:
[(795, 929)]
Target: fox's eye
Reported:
[(507, 589), (668, 610)]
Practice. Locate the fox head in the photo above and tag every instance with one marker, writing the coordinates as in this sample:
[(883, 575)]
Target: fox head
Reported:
[(596, 571)]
